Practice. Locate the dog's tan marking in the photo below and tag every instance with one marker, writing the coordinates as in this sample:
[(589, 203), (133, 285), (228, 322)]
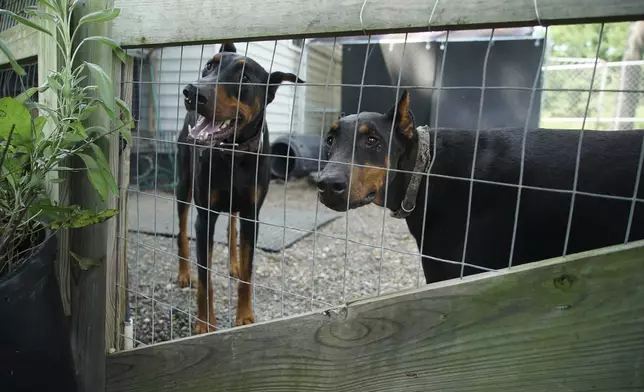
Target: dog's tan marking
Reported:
[(244, 291), (232, 247), (368, 179)]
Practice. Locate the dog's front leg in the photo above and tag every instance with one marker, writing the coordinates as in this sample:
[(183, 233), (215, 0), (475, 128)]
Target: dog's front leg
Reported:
[(205, 228), (248, 229)]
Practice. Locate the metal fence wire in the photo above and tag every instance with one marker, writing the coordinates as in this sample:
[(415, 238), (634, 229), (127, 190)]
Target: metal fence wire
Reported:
[(307, 256), (567, 79), (11, 84)]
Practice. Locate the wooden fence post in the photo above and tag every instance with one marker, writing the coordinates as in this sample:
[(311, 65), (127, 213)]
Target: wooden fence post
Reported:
[(117, 265), (88, 287), (49, 59)]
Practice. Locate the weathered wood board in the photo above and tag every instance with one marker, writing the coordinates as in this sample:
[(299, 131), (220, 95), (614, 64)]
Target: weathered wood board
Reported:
[(566, 324), (157, 22)]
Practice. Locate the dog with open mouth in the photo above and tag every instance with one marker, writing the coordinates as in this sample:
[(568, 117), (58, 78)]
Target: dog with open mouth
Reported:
[(224, 143)]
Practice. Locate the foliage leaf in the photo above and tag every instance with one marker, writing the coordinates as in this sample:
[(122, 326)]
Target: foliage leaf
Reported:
[(48, 4), (48, 152), (105, 168), (85, 263), (11, 168), (86, 111), (78, 129), (53, 82), (100, 16), (26, 95), (96, 176), (72, 138), (39, 124), (12, 59), (73, 217), (25, 21), (13, 112), (41, 14), (120, 53), (69, 169), (96, 130), (105, 87), (31, 155), (129, 121), (73, 5)]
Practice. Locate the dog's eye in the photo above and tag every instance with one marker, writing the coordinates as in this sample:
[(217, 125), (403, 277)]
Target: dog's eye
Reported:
[(371, 141), (245, 79), (208, 65), (329, 141)]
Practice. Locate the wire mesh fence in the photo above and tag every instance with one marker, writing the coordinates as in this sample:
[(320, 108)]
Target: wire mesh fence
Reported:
[(567, 81), (308, 256)]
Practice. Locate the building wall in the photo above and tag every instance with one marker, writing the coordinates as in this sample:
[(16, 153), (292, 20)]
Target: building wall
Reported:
[(324, 94), (169, 69)]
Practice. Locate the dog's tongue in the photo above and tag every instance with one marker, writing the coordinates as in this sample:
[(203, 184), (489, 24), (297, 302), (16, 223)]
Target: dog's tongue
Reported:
[(205, 129)]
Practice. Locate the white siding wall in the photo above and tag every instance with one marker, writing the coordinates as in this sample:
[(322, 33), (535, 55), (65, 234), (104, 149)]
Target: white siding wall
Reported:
[(177, 66), (174, 67), (323, 96)]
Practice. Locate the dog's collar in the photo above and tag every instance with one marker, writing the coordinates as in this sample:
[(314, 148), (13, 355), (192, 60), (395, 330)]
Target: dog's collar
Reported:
[(249, 145), (423, 159)]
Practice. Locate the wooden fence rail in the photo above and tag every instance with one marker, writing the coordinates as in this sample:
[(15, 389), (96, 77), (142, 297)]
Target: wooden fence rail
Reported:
[(568, 324), (171, 22)]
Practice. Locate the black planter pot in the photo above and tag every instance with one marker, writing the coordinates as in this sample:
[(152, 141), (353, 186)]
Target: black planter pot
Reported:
[(35, 352)]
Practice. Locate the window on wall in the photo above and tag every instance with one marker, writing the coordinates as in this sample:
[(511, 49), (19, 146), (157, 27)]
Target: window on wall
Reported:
[(11, 84)]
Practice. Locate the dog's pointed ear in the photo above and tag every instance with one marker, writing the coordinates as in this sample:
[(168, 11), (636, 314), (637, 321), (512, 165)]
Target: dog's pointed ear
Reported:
[(275, 79), (403, 116), (230, 47)]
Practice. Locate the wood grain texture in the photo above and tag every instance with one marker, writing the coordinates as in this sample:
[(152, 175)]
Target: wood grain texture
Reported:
[(566, 324), (98, 242), (49, 59), (116, 275), (23, 42), (156, 22), (118, 281), (112, 259)]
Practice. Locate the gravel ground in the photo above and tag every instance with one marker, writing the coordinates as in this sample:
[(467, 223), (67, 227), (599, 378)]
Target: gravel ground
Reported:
[(291, 282)]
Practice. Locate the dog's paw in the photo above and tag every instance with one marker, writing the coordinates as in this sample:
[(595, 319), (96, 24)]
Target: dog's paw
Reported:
[(184, 279), (244, 317), (203, 327), (235, 270)]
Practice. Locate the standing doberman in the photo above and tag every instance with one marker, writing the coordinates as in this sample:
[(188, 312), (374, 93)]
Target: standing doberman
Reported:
[(608, 165), (226, 110)]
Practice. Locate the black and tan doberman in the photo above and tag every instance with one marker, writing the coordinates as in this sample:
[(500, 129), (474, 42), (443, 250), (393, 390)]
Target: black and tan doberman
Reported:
[(226, 116), (436, 207)]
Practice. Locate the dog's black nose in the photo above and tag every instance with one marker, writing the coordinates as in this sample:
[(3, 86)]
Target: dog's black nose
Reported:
[(334, 185), (192, 93)]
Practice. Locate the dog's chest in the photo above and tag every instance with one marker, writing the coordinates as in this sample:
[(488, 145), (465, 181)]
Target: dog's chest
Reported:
[(224, 181)]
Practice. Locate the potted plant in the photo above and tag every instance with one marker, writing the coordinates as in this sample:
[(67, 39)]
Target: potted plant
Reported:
[(36, 144)]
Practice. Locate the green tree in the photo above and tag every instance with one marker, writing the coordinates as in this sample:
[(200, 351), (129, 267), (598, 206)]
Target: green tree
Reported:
[(581, 40)]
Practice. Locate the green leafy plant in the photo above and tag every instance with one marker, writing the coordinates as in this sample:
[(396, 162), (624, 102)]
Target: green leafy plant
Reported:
[(37, 140)]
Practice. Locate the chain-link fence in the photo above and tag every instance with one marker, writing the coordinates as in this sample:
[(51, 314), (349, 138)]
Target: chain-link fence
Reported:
[(567, 83)]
